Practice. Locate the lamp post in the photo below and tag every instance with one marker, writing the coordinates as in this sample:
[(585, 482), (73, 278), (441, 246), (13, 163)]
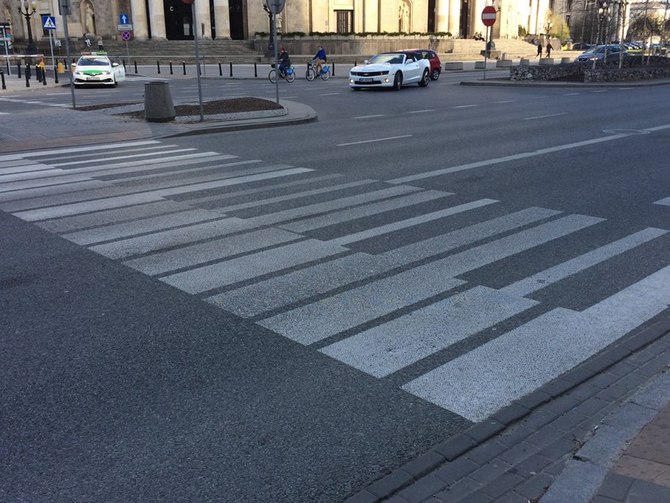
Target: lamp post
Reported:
[(27, 14)]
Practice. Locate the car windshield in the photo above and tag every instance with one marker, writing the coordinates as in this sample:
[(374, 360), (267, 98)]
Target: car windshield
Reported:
[(393, 59), (93, 62)]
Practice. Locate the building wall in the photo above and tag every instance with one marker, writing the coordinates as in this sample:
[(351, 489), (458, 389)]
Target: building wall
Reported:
[(298, 16)]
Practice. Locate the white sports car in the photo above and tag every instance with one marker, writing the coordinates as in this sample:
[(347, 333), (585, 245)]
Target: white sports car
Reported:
[(98, 68), (391, 69)]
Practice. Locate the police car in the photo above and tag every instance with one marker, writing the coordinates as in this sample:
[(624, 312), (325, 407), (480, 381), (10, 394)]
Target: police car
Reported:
[(96, 68)]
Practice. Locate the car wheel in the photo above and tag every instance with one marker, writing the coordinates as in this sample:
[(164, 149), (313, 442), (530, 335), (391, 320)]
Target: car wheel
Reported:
[(397, 81), (425, 78), (435, 75), (356, 88), (115, 83)]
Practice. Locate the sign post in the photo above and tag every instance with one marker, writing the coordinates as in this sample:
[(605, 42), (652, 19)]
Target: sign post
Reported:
[(489, 15), (126, 29), (275, 7), (197, 53), (49, 23), (65, 8)]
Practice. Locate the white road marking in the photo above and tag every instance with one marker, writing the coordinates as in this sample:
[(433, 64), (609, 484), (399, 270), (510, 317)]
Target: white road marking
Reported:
[(572, 94), (375, 140), (329, 94), (543, 116), (368, 116), (599, 91), (465, 106), (523, 155), (421, 111), (503, 101)]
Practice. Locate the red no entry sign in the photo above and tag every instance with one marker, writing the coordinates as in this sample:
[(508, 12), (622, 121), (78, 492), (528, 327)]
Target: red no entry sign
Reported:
[(489, 15)]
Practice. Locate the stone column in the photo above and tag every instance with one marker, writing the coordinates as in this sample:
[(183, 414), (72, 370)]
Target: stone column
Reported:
[(139, 16), (454, 16), (222, 18), (157, 13), (202, 13), (442, 15)]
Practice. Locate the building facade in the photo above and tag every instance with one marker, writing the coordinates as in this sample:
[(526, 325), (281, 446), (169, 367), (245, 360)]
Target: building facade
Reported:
[(242, 19)]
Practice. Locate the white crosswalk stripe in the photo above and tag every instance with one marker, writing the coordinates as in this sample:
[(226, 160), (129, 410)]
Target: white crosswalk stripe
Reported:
[(285, 247)]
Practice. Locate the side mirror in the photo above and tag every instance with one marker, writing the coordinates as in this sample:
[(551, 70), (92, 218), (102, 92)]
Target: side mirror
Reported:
[(366, 62), (115, 64)]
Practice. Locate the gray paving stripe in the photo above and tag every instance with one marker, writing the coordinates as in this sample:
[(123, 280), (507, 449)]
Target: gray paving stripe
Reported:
[(233, 181), (294, 195), (113, 191), (107, 158), (250, 266), (44, 192), (117, 215), (86, 207), (6, 186), (664, 202), (185, 179), (9, 165), (169, 238), (193, 255), (329, 316), (259, 190), (141, 226), (252, 300), (344, 202), (389, 347), (184, 172), (364, 211), (460, 237), (411, 222), (582, 262), (25, 166), (491, 376), (87, 148)]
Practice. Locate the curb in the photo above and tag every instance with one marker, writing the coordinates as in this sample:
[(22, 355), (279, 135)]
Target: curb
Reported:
[(540, 83), (479, 433)]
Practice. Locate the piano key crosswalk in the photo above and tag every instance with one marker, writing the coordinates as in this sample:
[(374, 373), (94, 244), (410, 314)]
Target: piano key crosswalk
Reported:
[(372, 273)]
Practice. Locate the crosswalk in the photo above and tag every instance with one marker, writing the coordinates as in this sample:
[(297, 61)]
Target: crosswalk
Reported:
[(380, 275)]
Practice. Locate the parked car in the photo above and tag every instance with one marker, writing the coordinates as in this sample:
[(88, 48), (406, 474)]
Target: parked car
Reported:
[(96, 68), (390, 69), (609, 52), (433, 58)]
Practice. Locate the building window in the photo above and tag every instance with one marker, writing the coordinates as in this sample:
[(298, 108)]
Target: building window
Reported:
[(345, 21)]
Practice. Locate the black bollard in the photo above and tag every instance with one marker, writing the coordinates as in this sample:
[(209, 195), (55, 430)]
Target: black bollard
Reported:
[(38, 74), (18, 67), (2, 76), (124, 65), (170, 67), (158, 67), (135, 62), (231, 69), (255, 70), (27, 77), (55, 75), (333, 74), (183, 64), (44, 76)]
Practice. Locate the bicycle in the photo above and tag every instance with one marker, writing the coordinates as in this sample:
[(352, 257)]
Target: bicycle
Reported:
[(287, 74), (311, 72)]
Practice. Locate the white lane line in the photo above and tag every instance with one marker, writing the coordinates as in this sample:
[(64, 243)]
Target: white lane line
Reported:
[(375, 140), (4, 113), (368, 116), (421, 111), (329, 94), (543, 116), (664, 202), (600, 91), (514, 157), (465, 106), (503, 101)]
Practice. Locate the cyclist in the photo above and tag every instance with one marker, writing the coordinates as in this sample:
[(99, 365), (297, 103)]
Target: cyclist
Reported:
[(284, 61), (319, 59)]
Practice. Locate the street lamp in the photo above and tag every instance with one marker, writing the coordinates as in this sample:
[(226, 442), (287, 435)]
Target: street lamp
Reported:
[(27, 14)]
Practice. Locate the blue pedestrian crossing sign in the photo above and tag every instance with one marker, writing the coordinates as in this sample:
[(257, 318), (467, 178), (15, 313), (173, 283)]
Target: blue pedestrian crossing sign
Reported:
[(49, 22)]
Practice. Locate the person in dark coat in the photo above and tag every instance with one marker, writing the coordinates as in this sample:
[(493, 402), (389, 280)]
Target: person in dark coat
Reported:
[(549, 48), (539, 48)]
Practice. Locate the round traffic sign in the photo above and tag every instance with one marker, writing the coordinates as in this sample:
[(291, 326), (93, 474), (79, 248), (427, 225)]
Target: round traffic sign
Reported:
[(489, 15), (126, 35)]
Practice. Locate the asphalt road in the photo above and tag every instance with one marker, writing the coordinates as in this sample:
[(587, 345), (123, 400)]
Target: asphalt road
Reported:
[(389, 275)]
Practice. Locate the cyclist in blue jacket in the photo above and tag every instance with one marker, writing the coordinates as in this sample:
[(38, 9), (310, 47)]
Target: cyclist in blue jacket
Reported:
[(319, 59)]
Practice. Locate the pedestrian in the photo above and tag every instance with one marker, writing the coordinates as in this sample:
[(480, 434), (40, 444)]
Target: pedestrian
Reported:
[(87, 40), (100, 46), (539, 48), (549, 48)]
